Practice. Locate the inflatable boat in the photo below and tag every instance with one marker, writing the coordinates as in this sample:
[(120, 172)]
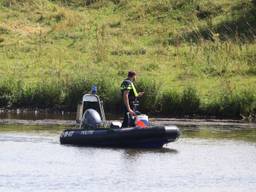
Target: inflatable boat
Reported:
[(95, 131)]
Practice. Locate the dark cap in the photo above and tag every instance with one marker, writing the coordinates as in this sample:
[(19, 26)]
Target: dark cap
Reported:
[(131, 73)]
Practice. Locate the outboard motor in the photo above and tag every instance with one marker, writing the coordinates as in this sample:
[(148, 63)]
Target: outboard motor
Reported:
[(91, 119)]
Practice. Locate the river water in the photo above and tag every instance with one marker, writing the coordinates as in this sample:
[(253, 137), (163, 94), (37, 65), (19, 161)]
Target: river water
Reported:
[(205, 159)]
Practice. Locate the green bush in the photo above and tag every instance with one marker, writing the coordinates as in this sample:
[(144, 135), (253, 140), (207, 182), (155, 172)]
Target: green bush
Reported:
[(229, 105), (149, 102), (170, 103), (5, 95), (109, 92), (42, 95), (190, 102), (106, 89), (74, 92)]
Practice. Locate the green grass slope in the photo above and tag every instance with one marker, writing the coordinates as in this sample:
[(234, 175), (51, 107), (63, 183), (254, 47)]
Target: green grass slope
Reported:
[(193, 57)]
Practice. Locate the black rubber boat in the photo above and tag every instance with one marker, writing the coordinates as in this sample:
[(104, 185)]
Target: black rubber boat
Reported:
[(151, 137), (96, 131)]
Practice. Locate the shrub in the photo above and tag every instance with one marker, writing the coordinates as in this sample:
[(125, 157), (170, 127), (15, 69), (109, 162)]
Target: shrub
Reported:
[(170, 103), (74, 91), (109, 93), (106, 88), (5, 95), (189, 102), (235, 104), (41, 95), (149, 102)]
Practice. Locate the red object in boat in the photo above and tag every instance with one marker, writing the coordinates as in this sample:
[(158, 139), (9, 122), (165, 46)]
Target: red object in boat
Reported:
[(141, 124)]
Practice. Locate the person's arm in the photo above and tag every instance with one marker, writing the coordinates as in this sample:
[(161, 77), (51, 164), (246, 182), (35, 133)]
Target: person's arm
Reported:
[(126, 102)]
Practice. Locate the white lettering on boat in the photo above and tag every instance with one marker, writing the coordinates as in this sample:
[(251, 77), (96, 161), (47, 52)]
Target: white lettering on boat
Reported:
[(68, 133), (89, 132), (71, 133)]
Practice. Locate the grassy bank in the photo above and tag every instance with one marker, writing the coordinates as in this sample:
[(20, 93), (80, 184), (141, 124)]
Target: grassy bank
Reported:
[(225, 103), (193, 57)]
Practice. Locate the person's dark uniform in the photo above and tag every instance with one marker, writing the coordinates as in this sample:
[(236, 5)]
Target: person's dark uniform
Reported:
[(127, 85)]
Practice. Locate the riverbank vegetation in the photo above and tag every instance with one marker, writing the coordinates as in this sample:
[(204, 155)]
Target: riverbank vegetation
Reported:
[(194, 58)]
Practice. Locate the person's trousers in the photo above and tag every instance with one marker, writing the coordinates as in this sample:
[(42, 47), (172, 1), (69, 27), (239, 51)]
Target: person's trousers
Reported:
[(128, 121), (125, 118)]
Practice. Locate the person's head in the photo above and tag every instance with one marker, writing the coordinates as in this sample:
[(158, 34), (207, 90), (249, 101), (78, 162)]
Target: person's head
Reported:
[(132, 75)]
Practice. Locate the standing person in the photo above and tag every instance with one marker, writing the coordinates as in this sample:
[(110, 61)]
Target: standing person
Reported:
[(129, 94)]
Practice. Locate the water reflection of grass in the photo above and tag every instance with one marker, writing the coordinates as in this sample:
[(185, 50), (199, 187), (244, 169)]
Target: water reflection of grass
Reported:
[(202, 132), (233, 133), (31, 128)]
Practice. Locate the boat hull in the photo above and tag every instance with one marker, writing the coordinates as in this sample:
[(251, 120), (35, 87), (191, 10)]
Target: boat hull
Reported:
[(151, 137)]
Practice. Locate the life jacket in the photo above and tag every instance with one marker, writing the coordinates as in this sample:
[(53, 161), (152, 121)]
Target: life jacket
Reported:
[(128, 85)]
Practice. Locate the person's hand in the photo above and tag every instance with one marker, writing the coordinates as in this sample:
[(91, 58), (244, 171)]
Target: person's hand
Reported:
[(132, 113), (140, 94)]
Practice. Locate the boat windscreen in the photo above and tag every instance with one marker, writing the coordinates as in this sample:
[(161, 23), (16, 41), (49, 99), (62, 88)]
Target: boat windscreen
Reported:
[(92, 105)]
